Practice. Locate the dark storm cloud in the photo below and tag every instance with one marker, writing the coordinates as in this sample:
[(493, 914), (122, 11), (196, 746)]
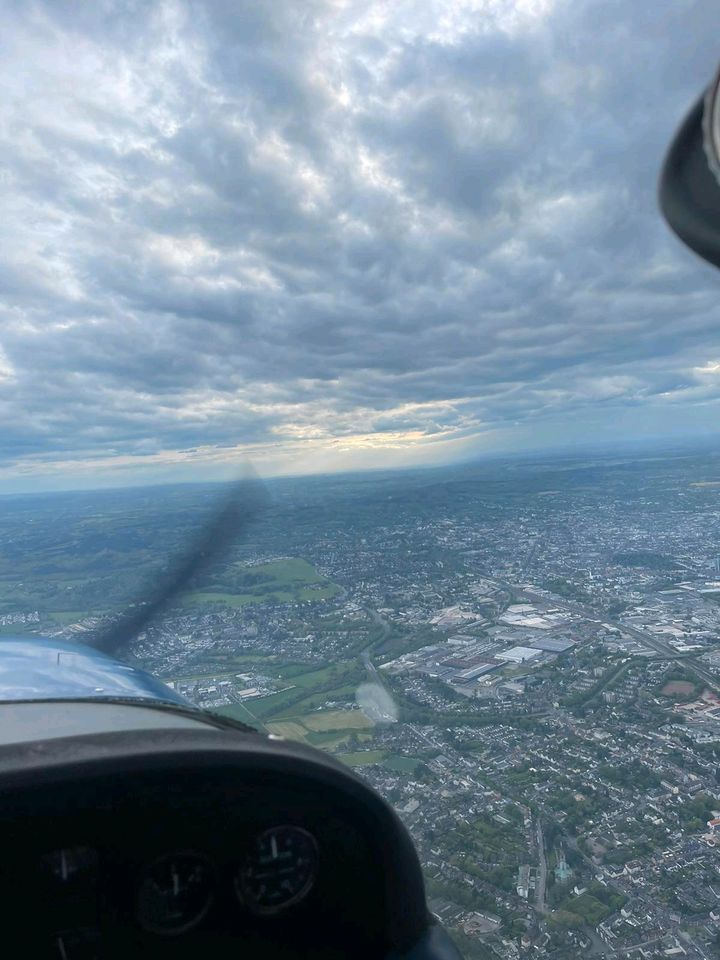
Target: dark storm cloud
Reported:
[(277, 224)]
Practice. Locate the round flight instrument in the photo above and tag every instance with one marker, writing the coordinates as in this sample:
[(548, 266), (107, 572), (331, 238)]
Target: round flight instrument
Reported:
[(279, 870), (174, 894)]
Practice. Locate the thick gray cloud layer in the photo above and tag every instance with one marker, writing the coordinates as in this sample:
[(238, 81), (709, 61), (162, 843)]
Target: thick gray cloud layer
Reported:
[(345, 233)]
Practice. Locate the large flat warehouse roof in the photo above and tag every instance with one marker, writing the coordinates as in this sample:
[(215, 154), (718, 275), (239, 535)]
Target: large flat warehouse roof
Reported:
[(518, 654), (553, 645)]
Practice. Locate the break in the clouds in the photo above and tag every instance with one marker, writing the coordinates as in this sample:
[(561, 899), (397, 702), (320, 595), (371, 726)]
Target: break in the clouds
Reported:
[(344, 234)]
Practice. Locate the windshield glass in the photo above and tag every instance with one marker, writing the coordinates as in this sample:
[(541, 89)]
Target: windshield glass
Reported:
[(406, 260)]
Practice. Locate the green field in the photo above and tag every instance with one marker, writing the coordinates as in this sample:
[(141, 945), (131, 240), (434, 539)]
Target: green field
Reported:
[(287, 728), (330, 739), (337, 720), (298, 712), (272, 705), (241, 712), (326, 729), (311, 690), (401, 764), (291, 580), (316, 700), (310, 679), (288, 571), (362, 758)]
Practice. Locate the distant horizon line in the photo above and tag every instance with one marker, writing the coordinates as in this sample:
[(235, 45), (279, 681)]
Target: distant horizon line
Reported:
[(640, 449)]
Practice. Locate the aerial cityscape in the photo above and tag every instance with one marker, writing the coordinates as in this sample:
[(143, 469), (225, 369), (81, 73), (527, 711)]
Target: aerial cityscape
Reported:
[(522, 655), (443, 274)]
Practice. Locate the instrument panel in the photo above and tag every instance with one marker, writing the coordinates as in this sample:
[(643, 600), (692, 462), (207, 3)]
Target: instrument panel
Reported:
[(167, 868), (176, 892), (183, 844)]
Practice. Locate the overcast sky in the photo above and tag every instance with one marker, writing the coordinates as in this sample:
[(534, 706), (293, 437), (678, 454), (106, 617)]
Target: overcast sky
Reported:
[(332, 235)]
